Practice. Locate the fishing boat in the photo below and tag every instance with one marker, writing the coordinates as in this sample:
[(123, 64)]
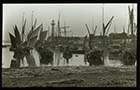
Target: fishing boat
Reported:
[(67, 54), (93, 55), (22, 45), (129, 50)]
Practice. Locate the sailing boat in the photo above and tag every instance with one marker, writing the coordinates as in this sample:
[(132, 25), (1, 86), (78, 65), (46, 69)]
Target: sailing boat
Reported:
[(129, 52), (92, 54), (95, 56), (22, 45), (46, 56)]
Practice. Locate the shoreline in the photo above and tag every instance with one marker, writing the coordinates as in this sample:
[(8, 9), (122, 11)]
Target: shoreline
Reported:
[(70, 76)]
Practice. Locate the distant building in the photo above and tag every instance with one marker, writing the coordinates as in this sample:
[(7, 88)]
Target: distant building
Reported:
[(73, 42), (118, 38), (78, 43), (97, 41)]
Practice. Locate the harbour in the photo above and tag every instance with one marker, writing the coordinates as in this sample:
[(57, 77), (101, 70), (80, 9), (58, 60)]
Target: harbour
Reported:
[(76, 60), (57, 49)]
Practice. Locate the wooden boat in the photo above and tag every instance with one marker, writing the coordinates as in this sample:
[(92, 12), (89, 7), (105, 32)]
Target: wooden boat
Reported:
[(67, 54), (21, 46)]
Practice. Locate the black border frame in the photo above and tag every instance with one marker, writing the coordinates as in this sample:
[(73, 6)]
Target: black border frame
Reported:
[(72, 2)]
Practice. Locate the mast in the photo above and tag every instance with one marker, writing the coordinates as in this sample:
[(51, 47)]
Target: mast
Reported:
[(103, 16), (106, 27), (89, 42), (22, 27), (115, 28), (48, 34), (64, 29), (92, 24), (103, 25), (132, 23), (87, 29), (123, 29), (32, 20), (131, 19), (59, 32)]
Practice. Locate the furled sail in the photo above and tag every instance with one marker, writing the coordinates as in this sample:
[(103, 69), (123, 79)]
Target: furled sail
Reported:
[(33, 33), (13, 40), (32, 41), (42, 35), (17, 35)]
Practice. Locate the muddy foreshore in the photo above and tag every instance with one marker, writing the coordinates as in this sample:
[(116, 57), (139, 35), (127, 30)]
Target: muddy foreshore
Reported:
[(70, 76)]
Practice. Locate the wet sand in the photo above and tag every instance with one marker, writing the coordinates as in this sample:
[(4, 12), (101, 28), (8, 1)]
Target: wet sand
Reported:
[(70, 76)]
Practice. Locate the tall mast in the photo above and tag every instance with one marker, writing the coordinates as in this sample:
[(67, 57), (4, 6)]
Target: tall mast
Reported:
[(32, 20), (92, 24), (59, 32), (124, 29), (103, 19), (103, 14), (48, 34), (132, 23), (65, 32), (133, 19), (103, 24), (65, 29), (115, 28), (22, 26), (22, 18)]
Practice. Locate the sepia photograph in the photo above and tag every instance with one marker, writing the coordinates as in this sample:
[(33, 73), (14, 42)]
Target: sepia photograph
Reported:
[(69, 45)]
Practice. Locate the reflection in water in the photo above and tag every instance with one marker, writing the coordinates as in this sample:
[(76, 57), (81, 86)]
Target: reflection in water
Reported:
[(76, 60), (6, 57), (114, 63)]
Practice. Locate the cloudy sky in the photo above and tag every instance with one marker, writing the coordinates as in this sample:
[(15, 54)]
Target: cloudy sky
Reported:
[(75, 16)]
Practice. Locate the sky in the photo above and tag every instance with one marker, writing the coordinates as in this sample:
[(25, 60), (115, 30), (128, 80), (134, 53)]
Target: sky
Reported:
[(75, 16)]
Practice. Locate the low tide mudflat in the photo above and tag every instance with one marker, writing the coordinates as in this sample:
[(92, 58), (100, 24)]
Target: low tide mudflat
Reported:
[(70, 76)]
